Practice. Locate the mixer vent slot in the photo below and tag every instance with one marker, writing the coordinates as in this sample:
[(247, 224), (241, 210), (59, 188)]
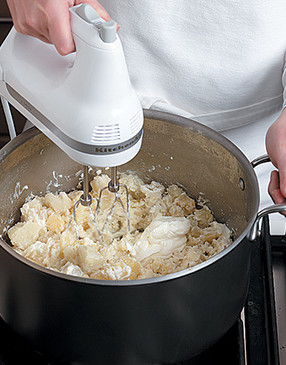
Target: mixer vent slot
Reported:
[(106, 133), (135, 122)]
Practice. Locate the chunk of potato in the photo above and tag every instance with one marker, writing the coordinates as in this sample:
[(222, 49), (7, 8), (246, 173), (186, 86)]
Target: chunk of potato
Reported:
[(59, 203), (89, 258), (135, 267), (23, 235), (55, 223), (67, 238)]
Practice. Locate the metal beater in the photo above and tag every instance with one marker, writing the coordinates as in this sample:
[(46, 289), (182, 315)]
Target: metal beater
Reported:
[(113, 187), (83, 102), (100, 219)]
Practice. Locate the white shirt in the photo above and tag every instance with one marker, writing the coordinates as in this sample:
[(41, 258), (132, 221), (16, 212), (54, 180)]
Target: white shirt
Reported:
[(219, 62)]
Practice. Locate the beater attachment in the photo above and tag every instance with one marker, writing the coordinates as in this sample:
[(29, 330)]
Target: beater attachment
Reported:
[(112, 213), (86, 201), (109, 213)]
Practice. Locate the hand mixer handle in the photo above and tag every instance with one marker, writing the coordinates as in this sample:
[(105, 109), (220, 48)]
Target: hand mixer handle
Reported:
[(99, 57), (84, 20)]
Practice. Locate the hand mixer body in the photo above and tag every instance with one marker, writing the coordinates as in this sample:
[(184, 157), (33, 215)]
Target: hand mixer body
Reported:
[(83, 102)]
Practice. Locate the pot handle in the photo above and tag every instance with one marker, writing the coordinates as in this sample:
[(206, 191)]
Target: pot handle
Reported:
[(254, 231), (260, 160), (275, 208)]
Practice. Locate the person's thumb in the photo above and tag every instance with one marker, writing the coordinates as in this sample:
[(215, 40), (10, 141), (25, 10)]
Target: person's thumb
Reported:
[(97, 6)]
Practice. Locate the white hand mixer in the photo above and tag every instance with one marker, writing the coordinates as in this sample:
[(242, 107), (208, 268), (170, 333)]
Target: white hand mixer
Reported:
[(83, 102)]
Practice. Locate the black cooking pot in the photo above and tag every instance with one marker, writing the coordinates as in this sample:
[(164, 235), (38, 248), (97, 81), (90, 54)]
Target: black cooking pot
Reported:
[(160, 320)]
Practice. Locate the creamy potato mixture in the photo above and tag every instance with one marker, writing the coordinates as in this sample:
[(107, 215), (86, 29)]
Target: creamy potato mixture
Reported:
[(168, 232)]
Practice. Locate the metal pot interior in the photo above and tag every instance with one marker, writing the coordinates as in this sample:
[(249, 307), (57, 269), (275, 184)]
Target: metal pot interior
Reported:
[(174, 150)]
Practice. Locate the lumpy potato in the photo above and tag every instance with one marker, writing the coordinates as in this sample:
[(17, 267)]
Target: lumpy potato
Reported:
[(168, 232)]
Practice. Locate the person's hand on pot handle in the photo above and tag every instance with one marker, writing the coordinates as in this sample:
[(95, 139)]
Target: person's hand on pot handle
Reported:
[(49, 20), (276, 149)]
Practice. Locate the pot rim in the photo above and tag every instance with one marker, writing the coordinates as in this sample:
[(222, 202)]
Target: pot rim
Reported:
[(169, 118)]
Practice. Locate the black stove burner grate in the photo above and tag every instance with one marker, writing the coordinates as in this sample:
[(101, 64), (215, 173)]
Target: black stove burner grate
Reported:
[(260, 313), (257, 339)]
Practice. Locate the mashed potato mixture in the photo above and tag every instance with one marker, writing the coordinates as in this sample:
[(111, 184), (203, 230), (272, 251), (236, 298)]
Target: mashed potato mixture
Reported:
[(169, 232)]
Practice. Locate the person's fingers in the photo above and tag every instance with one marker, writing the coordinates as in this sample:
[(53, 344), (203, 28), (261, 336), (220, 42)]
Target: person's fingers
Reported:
[(17, 16), (12, 8), (274, 188), (35, 26), (43, 38), (60, 28), (29, 19)]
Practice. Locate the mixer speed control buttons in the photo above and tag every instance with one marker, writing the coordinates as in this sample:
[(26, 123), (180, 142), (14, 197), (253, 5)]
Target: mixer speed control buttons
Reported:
[(108, 31)]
